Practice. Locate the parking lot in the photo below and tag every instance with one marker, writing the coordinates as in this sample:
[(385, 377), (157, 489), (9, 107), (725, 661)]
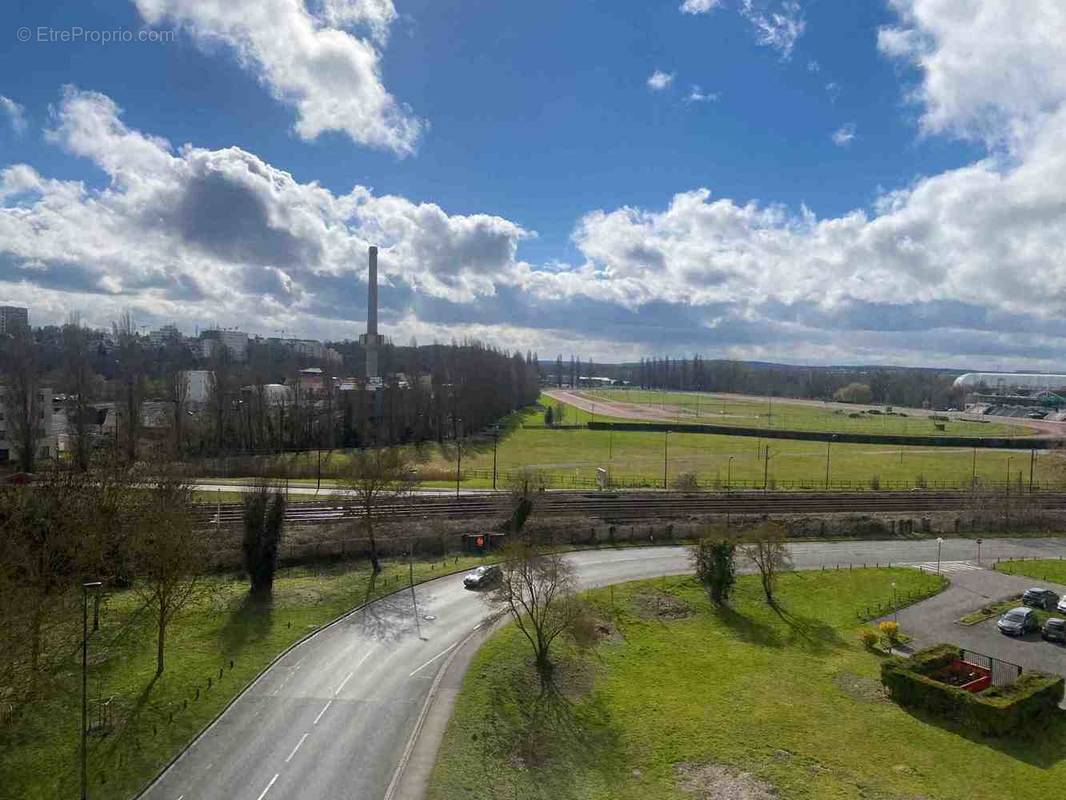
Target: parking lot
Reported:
[(934, 621)]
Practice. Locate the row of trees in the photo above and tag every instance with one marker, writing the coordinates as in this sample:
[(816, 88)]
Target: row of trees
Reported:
[(444, 391), (903, 386)]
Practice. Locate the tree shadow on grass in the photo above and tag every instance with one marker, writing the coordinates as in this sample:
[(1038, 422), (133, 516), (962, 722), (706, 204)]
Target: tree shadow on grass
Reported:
[(1044, 748), (552, 740), (814, 635), (747, 629), (248, 621)]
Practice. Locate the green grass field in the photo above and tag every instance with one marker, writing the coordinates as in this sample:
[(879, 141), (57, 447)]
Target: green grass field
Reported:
[(1043, 569), (785, 414), (692, 692), (573, 455), (156, 718)]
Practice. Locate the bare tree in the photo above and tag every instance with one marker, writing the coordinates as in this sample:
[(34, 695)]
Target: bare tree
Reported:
[(78, 386), (374, 478), (538, 590), (131, 378), (766, 545), (177, 387), (23, 406), (168, 554), (264, 521)]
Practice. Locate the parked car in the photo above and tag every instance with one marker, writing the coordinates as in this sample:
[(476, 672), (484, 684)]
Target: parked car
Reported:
[(482, 577), (1040, 598), (1018, 622), (1061, 607), (1054, 630)]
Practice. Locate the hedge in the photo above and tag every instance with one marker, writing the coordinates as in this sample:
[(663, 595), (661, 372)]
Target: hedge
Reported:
[(1026, 706)]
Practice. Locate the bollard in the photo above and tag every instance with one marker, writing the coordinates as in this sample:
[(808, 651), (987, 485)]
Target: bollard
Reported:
[(197, 697), (231, 660), (220, 672), (208, 683)]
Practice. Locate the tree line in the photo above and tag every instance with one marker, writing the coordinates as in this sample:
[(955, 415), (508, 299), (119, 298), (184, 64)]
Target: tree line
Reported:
[(263, 403)]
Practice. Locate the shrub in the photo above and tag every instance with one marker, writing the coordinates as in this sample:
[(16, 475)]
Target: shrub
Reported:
[(875, 482), (869, 638), (890, 632), (686, 482), (1024, 707)]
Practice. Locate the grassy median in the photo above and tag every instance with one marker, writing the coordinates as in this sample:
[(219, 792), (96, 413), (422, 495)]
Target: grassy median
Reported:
[(215, 648), (677, 700), (1043, 569)]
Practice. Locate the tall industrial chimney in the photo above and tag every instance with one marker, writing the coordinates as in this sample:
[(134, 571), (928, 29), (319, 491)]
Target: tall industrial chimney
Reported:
[(371, 339)]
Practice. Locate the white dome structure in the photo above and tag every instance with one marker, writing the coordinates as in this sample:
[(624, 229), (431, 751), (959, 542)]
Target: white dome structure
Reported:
[(1000, 381)]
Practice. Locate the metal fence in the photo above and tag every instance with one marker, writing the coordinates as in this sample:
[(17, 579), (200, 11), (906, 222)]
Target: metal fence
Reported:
[(1004, 673)]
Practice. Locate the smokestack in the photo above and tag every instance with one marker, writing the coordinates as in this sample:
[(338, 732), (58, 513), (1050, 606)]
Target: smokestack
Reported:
[(372, 294)]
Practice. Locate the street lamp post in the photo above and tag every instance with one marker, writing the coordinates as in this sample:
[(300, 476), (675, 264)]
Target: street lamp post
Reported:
[(973, 472), (729, 475), (766, 469), (1032, 464), (1009, 459), (828, 445), (939, 544), (895, 605), (86, 588)]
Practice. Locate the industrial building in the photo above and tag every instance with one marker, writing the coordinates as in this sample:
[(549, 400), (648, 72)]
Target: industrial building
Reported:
[(1009, 382)]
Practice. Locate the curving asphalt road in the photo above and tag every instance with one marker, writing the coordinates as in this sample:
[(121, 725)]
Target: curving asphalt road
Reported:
[(336, 717)]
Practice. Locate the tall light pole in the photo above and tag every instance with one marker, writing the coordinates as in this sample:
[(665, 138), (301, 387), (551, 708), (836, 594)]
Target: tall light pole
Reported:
[(458, 455), (495, 443), (1032, 463), (973, 472), (828, 444), (766, 469), (88, 587), (610, 443), (729, 475), (666, 458), (1009, 459), (939, 544)]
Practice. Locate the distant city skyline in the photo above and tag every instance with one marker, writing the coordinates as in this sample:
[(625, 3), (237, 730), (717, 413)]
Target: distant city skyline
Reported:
[(775, 180)]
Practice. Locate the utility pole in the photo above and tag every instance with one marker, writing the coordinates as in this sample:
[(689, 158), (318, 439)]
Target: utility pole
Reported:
[(828, 444), (86, 588), (766, 469), (495, 443), (729, 475), (458, 456), (973, 472), (666, 458), (610, 443), (1032, 463)]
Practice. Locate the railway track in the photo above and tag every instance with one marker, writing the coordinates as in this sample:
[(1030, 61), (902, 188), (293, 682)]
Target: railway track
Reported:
[(635, 506)]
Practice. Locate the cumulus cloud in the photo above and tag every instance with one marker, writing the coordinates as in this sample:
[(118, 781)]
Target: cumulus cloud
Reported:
[(990, 69), (844, 135), (190, 231), (323, 60), (15, 113), (660, 80)]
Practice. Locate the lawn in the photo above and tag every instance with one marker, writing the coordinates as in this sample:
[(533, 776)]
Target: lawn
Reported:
[(1043, 569), (764, 412), (572, 456), (156, 718), (676, 692)]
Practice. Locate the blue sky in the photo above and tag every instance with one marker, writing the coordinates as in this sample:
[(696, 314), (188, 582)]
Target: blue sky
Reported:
[(804, 180)]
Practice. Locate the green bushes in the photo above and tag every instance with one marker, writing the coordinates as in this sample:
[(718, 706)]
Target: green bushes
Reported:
[(1024, 707)]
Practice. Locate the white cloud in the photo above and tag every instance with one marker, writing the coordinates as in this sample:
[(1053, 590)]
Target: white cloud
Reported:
[(660, 80), (15, 113), (308, 60), (697, 95), (833, 90), (699, 6), (199, 234), (777, 24), (844, 135), (814, 66), (990, 69)]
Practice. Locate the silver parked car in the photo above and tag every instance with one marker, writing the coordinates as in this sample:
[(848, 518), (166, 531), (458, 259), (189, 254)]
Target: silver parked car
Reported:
[(482, 577), (1018, 621)]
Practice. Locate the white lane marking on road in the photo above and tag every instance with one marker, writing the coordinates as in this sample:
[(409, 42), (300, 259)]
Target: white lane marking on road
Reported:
[(441, 653), (267, 789), (323, 711), (287, 760), (946, 566), (350, 674)]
